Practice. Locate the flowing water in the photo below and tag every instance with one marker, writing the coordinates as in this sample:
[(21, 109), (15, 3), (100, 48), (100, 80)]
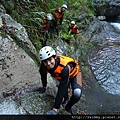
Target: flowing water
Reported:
[(105, 64)]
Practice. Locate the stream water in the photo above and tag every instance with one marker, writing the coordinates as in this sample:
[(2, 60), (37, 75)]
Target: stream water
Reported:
[(105, 64)]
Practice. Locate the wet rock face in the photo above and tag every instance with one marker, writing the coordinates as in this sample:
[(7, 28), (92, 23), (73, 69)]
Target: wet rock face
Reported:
[(107, 8), (36, 103), (10, 107), (17, 68)]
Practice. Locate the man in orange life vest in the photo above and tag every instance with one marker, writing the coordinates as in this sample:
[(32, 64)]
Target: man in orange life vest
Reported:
[(59, 13), (64, 69), (73, 28), (47, 21)]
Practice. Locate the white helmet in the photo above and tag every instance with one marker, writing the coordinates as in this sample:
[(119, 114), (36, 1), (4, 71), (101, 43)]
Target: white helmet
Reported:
[(72, 22), (49, 16), (64, 6), (46, 52)]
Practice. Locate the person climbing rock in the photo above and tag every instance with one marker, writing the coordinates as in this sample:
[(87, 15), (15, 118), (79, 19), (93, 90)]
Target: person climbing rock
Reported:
[(67, 71), (59, 14), (73, 28), (47, 21)]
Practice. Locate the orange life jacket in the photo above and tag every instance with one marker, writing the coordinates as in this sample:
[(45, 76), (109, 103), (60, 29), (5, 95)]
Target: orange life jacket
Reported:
[(64, 60), (74, 29), (45, 24), (59, 14)]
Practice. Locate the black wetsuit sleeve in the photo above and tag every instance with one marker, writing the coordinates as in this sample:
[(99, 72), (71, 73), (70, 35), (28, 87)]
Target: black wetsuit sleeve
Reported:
[(62, 88), (43, 74)]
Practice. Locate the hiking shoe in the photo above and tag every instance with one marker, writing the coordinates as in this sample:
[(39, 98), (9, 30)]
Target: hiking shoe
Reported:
[(52, 112), (39, 89)]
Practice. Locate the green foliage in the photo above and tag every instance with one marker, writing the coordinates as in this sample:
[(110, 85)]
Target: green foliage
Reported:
[(66, 36), (33, 108), (38, 14), (37, 20), (2, 33), (38, 45), (10, 5), (36, 17)]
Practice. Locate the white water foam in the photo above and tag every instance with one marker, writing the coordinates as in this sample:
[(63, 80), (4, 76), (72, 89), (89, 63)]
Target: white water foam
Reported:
[(116, 25)]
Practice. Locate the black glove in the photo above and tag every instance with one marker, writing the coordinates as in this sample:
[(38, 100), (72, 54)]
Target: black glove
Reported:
[(39, 89)]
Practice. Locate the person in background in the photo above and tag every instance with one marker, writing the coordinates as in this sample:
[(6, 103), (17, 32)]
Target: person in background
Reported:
[(67, 71), (73, 28), (47, 21), (58, 15)]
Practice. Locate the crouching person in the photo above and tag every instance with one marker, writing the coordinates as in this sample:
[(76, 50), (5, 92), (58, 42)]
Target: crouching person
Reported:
[(67, 71)]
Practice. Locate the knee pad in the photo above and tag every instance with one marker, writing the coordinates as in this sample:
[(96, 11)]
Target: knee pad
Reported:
[(77, 92)]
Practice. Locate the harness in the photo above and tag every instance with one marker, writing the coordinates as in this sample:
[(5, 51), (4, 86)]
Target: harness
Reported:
[(64, 60)]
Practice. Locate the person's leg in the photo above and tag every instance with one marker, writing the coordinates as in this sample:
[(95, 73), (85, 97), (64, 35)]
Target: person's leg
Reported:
[(66, 97), (76, 93), (56, 26), (61, 19)]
